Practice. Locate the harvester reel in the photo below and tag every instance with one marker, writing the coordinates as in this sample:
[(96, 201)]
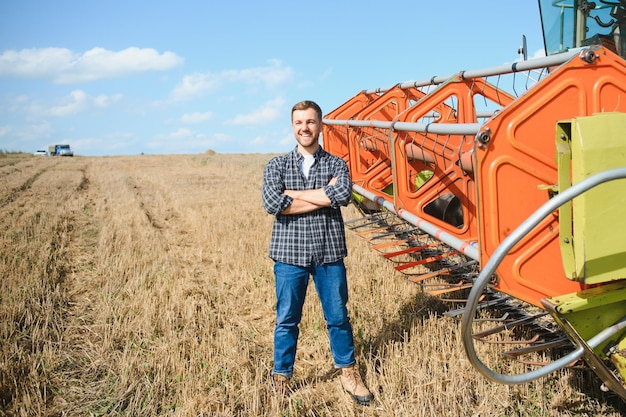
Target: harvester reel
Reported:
[(485, 275)]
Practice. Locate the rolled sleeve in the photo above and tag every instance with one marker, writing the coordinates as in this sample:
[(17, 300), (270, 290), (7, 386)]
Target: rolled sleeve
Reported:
[(274, 201), (340, 193)]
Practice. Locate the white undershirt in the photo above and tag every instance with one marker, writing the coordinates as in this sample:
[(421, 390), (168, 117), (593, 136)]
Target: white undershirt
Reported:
[(307, 164)]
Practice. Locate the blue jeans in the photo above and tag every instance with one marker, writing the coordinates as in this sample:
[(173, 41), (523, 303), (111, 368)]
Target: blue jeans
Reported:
[(332, 289)]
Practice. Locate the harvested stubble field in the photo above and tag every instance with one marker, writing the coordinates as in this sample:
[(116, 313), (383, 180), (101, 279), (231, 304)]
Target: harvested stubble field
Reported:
[(141, 286)]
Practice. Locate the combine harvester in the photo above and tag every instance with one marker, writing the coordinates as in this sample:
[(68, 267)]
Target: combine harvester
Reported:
[(508, 184)]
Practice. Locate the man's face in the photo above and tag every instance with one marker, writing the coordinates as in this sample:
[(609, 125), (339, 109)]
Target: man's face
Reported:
[(306, 128)]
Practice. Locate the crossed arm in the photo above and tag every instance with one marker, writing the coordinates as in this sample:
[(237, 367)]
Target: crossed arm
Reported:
[(305, 201)]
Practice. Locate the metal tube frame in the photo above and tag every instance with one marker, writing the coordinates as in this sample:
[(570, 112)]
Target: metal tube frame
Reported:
[(503, 249)]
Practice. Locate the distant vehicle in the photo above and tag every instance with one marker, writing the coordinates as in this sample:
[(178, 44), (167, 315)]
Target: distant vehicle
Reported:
[(60, 150), (40, 152)]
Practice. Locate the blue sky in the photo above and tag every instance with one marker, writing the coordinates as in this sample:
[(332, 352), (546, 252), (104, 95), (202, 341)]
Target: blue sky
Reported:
[(161, 77)]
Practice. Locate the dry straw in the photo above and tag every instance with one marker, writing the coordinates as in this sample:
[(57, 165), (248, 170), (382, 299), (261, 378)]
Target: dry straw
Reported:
[(140, 286)]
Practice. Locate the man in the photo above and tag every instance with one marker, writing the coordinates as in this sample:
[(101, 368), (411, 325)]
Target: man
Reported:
[(305, 190)]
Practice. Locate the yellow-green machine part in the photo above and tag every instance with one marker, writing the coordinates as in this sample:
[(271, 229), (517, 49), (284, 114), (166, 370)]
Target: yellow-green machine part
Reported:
[(592, 231), (583, 315), (594, 250)]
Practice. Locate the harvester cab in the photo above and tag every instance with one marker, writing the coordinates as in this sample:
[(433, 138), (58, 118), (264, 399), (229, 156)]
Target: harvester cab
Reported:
[(571, 24), (508, 195)]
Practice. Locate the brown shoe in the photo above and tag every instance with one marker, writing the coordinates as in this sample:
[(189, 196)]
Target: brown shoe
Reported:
[(353, 384), (281, 385)]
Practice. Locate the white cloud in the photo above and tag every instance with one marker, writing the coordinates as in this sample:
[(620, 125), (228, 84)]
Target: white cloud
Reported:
[(326, 74), (271, 76), (37, 130), (5, 130), (62, 66), (13, 103), (77, 102), (195, 85), (221, 137), (288, 139), (186, 140), (23, 137), (539, 53), (196, 117), (36, 63), (199, 84), (258, 140), (103, 101), (269, 112), (283, 140), (181, 134), (113, 143), (180, 139)]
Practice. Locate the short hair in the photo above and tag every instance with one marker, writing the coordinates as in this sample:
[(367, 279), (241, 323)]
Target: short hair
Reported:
[(307, 104)]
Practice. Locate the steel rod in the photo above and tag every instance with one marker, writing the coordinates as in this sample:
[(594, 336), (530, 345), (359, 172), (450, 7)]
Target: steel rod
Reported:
[(437, 128), (519, 66), (462, 246)]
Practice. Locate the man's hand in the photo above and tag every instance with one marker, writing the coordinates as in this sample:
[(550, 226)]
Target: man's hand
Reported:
[(305, 201)]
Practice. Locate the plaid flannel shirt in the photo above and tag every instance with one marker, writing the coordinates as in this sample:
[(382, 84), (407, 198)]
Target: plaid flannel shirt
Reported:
[(318, 236)]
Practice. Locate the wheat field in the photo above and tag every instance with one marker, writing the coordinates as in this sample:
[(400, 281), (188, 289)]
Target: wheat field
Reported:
[(140, 286)]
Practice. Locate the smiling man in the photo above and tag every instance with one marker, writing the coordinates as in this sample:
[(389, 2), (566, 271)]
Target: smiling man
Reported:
[(305, 189)]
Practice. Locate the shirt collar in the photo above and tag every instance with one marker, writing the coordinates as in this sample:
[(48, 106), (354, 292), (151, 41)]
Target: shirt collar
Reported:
[(317, 155)]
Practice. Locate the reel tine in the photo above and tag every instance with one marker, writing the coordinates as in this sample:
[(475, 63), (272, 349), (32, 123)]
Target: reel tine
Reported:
[(453, 288), (507, 326), (536, 347), (443, 271), (485, 304)]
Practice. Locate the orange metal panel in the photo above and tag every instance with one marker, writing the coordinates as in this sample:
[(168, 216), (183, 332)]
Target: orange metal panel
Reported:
[(449, 157), (520, 158), (335, 138), (370, 147)]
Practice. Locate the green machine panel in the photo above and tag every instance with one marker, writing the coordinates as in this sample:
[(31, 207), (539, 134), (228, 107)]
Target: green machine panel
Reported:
[(592, 226)]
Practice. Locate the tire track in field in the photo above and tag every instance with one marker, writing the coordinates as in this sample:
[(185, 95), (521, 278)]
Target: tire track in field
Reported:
[(72, 378), (45, 231), (152, 203), (17, 191)]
